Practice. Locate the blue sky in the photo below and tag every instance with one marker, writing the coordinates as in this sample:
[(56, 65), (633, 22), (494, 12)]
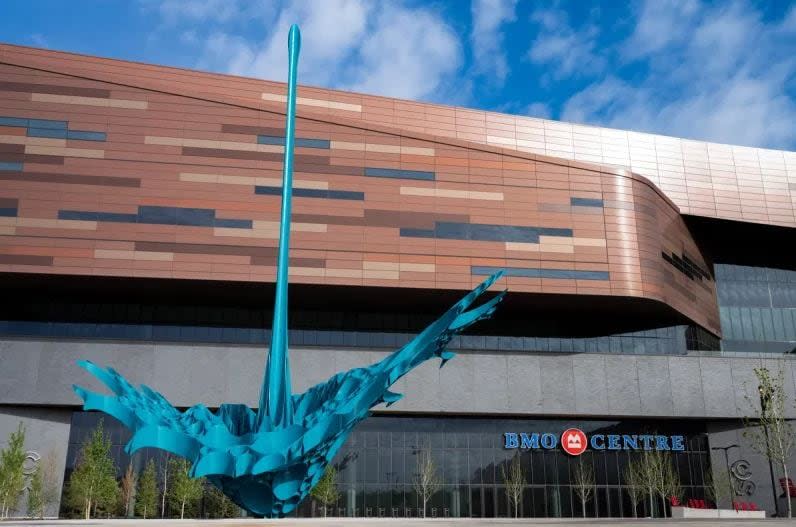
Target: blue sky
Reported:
[(721, 71)]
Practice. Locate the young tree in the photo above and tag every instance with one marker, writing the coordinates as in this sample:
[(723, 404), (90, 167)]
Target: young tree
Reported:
[(12, 472), (217, 504), (127, 490), (325, 491), (93, 483), (771, 434), (659, 477), (718, 487), (514, 481), (146, 496), (43, 490), (670, 484), (651, 475), (165, 466), (583, 481), (426, 481), (36, 494), (185, 490), (51, 474), (632, 478)]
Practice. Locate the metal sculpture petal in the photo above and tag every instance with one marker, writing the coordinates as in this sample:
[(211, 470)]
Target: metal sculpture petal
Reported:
[(268, 460)]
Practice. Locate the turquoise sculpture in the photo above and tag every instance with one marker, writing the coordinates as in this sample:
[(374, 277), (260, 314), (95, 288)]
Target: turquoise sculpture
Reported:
[(268, 460)]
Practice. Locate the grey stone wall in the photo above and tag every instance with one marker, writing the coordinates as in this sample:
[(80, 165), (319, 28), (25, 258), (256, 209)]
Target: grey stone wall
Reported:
[(46, 434), (36, 386), (42, 373), (726, 433)]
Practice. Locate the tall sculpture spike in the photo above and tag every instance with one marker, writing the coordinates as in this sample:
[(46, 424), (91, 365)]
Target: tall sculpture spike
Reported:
[(268, 461), (276, 397)]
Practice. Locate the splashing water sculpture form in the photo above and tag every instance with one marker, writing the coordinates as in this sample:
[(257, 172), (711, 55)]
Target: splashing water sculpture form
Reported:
[(267, 461)]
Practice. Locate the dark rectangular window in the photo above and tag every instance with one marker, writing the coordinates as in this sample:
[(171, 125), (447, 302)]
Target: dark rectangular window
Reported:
[(53, 133), (158, 215), (232, 223), (586, 202), (11, 166), (47, 123), (189, 216), (542, 273), (312, 193), (85, 135), (416, 233), (399, 174), (14, 121), (487, 232), (299, 141)]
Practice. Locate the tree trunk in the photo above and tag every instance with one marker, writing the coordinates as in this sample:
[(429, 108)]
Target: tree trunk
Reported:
[(652, 506), (88, 509), (787, 491), (583, 507), (165, 483), (182, 510), (635, 510), (324, 510)]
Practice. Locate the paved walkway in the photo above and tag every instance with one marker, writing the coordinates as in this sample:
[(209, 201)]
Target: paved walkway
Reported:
[(384, 522)]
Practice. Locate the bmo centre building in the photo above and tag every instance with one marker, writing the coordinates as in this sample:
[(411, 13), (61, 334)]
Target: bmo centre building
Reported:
[(648, 277)]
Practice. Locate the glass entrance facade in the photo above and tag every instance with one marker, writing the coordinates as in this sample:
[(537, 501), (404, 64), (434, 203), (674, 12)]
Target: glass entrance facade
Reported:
[(379, 463)]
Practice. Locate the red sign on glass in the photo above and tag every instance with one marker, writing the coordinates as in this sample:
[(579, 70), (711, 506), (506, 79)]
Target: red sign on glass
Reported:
[(573, 441)]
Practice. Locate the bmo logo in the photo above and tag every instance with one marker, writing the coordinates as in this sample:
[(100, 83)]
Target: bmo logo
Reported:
[(573, 441)]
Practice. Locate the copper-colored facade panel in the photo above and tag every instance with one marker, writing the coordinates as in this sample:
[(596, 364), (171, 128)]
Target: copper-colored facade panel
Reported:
[(160, 172)]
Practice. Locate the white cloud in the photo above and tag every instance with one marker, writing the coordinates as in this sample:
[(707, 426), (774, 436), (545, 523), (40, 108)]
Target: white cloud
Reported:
[(789, 21), (566, 51), (720, 74), (189, 37), (39, 40), (539, 109), (408, 54), (330, 31), (175, 12), (226, 53), (657, 25), (384, 49), (487, 40)]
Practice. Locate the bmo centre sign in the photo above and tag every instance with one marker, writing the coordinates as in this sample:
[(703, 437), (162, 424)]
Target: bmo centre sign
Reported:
[(574, 441)]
